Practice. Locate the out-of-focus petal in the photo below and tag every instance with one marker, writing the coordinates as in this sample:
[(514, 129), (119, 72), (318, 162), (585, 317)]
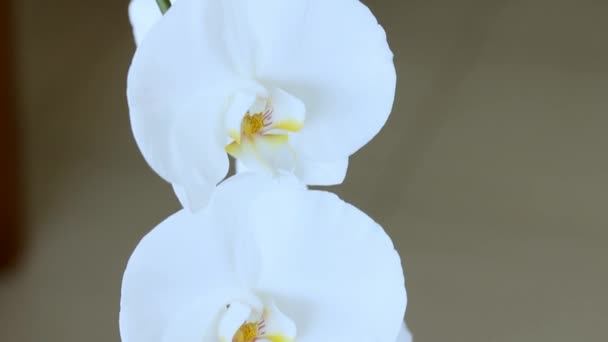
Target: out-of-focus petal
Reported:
[(268, 153), (321, 172), (180, 270)]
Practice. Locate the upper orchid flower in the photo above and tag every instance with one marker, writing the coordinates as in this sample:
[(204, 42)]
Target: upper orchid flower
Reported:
[(293, 265), (294, 86)]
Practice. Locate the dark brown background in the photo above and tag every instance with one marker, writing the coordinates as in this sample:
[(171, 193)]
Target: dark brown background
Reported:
[(491, 174), (11, 229)]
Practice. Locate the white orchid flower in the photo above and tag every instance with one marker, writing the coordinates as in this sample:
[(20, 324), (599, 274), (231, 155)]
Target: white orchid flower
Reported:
[(294, 86), (266, 261)]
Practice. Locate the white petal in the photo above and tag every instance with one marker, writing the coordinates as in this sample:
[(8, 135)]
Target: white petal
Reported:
[(230, 205), (277, 324), (329, 267), (178, 89), (180, 263), (288, 111), (241, 49), (267, 153), (181, 194), (232, 320), (321, 172), (313, 172), (233, 197), (194, 196), (201, 318), (143, 14), (404, 334), (197, 319), (334, 57), (240, 167), (275, 151), (246, 256)]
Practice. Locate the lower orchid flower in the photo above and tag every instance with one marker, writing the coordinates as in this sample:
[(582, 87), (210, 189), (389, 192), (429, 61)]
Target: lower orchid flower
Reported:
[(268, 261)]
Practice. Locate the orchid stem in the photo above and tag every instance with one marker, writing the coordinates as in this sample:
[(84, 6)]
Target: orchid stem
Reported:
[(163, 5)]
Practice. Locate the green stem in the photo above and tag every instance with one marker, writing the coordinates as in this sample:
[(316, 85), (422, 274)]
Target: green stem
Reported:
[(164, 5)]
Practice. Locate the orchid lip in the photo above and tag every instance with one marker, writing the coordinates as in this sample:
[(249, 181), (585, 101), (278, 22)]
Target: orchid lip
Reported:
[(261, 134)]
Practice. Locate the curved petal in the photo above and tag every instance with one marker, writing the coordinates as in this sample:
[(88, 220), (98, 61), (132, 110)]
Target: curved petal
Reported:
[(233, 197), (230, 204), (275, 151), (328, 266), (231, 321), (143, 14), (278, 327), (321, 172), (178, 88), (334, 57), (198, 319), (180, 263), (313, 172), (181, 194), (193, 196), (269, 153)]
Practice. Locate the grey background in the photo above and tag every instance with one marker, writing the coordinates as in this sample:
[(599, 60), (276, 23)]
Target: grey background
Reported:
[(490, 175)]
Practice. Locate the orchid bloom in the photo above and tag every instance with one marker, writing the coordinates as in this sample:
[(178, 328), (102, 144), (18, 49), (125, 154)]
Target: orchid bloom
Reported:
[(266, 261), (282, 86)]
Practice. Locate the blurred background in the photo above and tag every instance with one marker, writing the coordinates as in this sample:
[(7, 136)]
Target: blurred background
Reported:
[(491, 174)]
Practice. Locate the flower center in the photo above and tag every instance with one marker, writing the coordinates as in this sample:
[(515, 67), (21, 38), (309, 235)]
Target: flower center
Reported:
[(259, 128), (248, 332), (253, 124), (244, 323)]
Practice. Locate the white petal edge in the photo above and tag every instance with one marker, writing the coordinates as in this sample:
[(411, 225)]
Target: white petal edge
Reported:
[(169, 270), (331, 259), (176, 99), (313, 172), (334, 57), (321, 172)]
